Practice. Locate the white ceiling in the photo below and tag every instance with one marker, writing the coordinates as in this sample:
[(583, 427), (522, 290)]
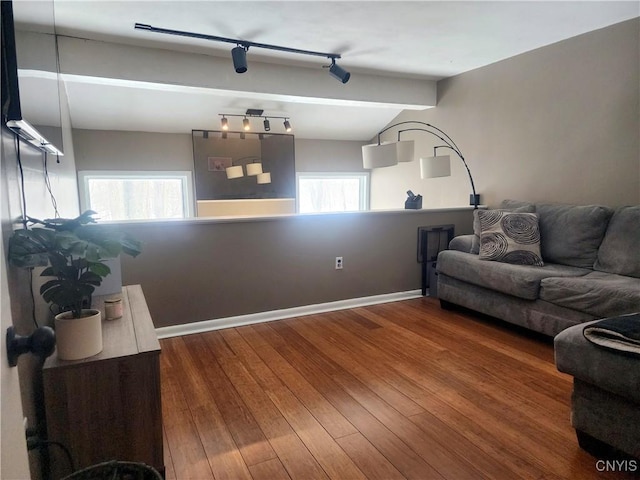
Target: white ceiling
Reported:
[(416, 39)]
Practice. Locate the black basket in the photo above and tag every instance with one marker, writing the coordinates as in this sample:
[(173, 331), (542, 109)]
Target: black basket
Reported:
[(116, 470)]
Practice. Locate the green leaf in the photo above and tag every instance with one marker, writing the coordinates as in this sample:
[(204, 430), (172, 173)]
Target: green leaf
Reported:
[(30, 260), (57, 261), (90, 278), (131, 246), (100, 269), (92, 253), (49, 285)]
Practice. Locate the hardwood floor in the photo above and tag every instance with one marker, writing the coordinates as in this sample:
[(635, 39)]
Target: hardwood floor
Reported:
[(398, 390)]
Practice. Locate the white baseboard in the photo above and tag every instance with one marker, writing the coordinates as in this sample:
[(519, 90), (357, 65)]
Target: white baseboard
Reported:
[(240, 320)]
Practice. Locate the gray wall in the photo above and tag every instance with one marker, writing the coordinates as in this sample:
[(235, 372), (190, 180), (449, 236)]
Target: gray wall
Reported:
[(115, 150), (201, 269), (16, 289), (328, 156), (558, 124)]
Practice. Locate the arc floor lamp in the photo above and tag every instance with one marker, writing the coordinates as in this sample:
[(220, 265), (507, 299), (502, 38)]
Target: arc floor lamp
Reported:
[(391, 153)]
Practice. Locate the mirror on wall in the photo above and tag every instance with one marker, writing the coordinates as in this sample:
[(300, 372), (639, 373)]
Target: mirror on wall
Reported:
[(243, 165)]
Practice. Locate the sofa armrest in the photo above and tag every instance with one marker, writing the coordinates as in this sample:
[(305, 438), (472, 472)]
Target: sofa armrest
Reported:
[(462, 243)]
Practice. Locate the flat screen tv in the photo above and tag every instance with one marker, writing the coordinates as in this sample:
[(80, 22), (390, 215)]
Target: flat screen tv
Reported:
[(11, 111), (10, 91)]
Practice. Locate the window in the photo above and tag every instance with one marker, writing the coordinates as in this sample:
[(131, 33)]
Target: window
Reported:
[(332, 192), (136, 195)]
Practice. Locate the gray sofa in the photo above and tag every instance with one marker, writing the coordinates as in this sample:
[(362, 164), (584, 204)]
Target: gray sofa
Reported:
[(605, 403), (591, 269)]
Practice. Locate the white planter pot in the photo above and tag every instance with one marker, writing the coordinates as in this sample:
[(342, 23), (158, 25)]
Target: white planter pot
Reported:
[(78, 338)]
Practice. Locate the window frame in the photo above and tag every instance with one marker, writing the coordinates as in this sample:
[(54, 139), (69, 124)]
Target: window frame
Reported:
[(185, 176), (363, 177)]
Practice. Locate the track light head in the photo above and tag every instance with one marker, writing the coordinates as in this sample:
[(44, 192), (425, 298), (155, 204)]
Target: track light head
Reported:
[(267, 125), (287, 125), (239, 56), (225, 123), (246, 125), (338, 72)]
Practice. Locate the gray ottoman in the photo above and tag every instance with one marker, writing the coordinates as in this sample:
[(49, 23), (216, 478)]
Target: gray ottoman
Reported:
[(605, 404)]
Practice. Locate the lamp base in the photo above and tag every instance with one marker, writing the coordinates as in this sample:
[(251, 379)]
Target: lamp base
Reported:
[(474, 199)]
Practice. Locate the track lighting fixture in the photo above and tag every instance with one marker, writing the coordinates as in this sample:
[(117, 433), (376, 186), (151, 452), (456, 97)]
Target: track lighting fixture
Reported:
[(252, 113), (239, 56), (338, 72), (239, 53)]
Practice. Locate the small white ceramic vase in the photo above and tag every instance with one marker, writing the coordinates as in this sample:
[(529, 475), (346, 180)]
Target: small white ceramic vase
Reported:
[(78, 338)]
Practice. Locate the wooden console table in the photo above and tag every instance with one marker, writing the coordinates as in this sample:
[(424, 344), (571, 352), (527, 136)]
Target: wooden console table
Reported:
[(107, 407)]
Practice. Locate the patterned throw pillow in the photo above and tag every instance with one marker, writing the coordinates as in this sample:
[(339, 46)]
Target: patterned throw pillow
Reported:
[(510, 237), (506, 206)]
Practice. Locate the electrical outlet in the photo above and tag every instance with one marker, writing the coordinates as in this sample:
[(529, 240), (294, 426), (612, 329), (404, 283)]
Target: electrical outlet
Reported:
[(338, 263)]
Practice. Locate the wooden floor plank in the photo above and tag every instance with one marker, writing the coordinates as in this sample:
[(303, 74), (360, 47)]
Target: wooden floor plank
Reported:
[(246, 432), (389, 391), (326, 414), (321, 370), (225, 459), (435, 454), (415, 390), (269, 470), (374, 465), (291, 451), (169, 471), (336, 464), (187, 453)]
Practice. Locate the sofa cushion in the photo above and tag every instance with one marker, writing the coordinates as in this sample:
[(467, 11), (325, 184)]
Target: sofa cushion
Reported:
[(620, 249), (571, 235), (518, 280), (598, 293), (505, 206), (510, 237), (596, 365), (517, 206), (461, 243)]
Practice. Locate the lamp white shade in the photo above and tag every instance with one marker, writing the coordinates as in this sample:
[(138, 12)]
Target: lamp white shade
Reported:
[(433, 167), (254, 169), (405, 151), (264, 177), (378, 156), (234, 172)]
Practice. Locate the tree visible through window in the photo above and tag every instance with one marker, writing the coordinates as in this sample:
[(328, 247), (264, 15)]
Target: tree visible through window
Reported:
[(332, 192), (137, 195)]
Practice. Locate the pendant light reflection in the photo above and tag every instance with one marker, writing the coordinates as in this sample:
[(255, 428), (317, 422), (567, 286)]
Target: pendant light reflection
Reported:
[(254, 169), (264, 178), (234, 172)]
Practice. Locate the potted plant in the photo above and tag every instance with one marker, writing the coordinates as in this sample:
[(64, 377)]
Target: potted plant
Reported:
[(73, 252)]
